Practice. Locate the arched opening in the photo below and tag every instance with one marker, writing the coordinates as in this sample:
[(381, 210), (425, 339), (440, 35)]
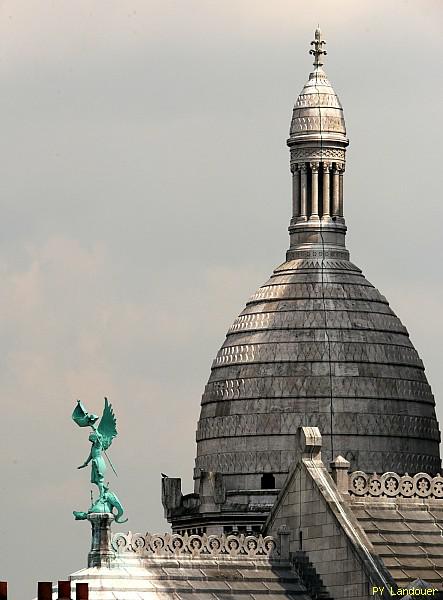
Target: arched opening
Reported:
[(267, 481)]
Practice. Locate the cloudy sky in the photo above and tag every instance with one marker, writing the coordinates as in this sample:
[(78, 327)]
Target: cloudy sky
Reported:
[(145, 196)]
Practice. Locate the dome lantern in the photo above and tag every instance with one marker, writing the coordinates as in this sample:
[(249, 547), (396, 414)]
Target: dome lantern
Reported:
[(317, 142)]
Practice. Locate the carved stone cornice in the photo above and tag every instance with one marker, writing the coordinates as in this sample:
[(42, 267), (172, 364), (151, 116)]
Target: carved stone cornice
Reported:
[(393, 485), (201, 546), (299, 154)]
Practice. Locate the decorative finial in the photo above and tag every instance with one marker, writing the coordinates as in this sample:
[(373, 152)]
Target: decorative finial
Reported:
[(318, 44)]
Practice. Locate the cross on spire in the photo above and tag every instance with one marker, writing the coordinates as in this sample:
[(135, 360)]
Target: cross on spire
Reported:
[(318, 48)]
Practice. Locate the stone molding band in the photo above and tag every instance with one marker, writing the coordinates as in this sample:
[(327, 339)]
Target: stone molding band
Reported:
[(311, 123), (280, 461), (305, 351), (318, 100), (392, 485), (192, 546), (288, 423), (319, 254), (300, 154)]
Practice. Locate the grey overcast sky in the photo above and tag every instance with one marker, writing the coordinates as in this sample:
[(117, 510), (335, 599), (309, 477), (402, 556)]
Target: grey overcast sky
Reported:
[(145, 195)]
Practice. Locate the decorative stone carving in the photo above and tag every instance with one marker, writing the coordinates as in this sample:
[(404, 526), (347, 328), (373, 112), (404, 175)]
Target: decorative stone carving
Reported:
[(323, 123), (279, 461), (288, 422), (315, 100), (173, 544), (393, 485), (338, 351), (339, 254), (247, 462), (299, 154)]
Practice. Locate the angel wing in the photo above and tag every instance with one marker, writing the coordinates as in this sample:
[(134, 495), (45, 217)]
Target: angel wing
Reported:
[(108, 425), (81, 416)]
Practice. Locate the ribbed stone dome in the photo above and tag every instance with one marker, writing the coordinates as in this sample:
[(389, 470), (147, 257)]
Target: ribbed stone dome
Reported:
[(311, 340), (317, 111)]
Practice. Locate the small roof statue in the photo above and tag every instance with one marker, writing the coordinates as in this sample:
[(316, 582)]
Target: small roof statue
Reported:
[(101, 438)]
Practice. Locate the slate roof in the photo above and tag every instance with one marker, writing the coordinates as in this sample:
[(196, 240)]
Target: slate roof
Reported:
[(194, 579), (409, 539)]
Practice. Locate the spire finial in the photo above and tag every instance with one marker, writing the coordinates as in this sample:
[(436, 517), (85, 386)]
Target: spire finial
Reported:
[(318, 44)]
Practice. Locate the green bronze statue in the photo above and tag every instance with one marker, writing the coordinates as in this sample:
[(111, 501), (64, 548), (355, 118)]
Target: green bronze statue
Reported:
[(101, 438)]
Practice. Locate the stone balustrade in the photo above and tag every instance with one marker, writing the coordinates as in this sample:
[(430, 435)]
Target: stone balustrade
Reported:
[(195, 546), (392, 485)]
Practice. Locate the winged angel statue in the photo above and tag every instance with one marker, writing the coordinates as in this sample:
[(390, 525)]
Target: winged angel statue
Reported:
[(101, 438)]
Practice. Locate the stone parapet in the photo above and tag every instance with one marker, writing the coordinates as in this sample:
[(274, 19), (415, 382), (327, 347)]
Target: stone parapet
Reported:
[(392, 485), (196, 546)]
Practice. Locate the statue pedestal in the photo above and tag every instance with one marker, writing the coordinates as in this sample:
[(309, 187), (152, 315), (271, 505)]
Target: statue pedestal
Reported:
[(101, 554)]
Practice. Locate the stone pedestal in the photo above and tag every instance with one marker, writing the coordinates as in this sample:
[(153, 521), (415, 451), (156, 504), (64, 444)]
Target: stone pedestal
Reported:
[(340, 474), (101, 554)]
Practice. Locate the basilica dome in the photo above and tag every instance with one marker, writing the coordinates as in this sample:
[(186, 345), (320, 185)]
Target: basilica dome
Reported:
[(317, 344)]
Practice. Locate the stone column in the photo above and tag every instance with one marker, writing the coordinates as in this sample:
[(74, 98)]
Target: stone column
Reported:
[(326, 192), (304, 192), (335, 191), (314, 191), (295, 191), (101, 554), (341, 170)]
